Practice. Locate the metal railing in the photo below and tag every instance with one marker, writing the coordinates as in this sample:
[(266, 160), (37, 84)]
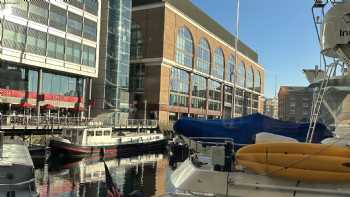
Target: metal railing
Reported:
[(14, 121)]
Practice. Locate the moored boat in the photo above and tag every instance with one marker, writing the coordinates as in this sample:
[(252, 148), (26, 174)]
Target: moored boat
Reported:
[(16, 170), (85, 141)]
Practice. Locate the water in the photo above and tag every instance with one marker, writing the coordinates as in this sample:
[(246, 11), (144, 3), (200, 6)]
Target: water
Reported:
[(85, 178)]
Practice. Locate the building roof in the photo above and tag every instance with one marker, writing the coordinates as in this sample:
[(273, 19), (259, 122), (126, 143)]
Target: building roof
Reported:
[(196, 14)]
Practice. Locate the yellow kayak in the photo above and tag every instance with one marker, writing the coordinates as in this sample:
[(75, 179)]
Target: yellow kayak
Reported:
[(297, 161)]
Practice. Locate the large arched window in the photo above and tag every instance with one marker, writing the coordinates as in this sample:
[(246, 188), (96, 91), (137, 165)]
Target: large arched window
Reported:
[(257, 81), (203, 56), (241, 74), (230, 66), (250, 78), (218, 67), (184, 47), (136, 42)]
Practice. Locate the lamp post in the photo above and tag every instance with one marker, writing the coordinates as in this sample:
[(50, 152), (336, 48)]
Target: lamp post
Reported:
[(236, 60)]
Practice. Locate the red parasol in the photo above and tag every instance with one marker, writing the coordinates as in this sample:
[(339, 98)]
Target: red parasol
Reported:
[(49, 107), (25, 105)]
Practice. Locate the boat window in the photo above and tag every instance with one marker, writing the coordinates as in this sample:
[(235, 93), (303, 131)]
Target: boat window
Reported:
[(157, 137), (80, 133), (68, 132), (11, 194), (90, 133), (98, 133), (106, 133)]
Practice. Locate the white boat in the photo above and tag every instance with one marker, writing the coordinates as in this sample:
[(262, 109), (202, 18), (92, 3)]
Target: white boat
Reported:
[(85, 141), (16, 170)]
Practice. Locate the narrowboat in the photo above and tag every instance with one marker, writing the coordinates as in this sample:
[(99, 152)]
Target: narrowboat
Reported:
[(80, 142)]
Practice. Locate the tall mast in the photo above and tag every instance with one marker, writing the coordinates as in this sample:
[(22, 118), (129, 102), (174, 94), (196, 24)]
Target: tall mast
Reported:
[(236, 59)]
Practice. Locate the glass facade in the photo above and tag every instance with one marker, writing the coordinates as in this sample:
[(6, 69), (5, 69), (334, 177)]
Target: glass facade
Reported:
[(118, 54), (136, 45), (199, 92), (137, 76), (62, 85), (203, 56), (214, 95), (184, 47), (179, 87), (218, 68)]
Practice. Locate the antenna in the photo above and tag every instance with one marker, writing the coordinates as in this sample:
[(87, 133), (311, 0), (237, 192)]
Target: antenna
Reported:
[(275, 85)]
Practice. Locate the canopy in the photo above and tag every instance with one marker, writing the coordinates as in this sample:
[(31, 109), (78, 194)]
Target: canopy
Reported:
[(49, 107), (25, 105), (243, 130)]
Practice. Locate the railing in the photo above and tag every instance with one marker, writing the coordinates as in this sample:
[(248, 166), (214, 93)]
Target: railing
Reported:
[(14, 121)]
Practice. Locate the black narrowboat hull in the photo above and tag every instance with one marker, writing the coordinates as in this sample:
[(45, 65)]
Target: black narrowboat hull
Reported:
[(64, 149)]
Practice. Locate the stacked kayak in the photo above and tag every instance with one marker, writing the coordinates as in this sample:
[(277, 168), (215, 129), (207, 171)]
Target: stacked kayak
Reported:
[(297, 161)]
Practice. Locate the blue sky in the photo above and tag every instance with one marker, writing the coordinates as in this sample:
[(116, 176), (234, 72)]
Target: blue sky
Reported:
[(282, 32)]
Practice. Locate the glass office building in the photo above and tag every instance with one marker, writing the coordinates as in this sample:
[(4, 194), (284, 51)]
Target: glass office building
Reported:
[(48, 51), (113, 83)]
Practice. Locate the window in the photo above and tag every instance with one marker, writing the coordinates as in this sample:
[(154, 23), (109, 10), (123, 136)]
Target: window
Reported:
[(98, 133), (73, 51), (74, 24), (90, 31), (39, 11), (179, 87), (89, 56), (184, 47), (14, 36), (36, 42), (218, 68), (250, 78), (20, 9), (90, 133), (58, 18), (199, 92), (257, 81), (203, 56), (136, 43), (241, 75), (77, 3), (91, 6), (106, 133), (62, 85), (179, 81), (214, 95), (230, 72), (55, 47)]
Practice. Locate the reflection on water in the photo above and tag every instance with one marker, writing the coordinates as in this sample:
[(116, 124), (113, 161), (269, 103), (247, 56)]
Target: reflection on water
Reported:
[(86, 178)]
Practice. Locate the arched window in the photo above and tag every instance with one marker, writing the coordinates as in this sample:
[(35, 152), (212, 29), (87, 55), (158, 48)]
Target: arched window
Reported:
[(184, 47), (218, 67), (257, 81), (136, 43), (241, 74), (230, 66), (250, 78), (203, 56)]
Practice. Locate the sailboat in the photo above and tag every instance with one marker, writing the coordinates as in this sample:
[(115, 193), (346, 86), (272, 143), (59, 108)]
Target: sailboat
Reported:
[(275, 169)]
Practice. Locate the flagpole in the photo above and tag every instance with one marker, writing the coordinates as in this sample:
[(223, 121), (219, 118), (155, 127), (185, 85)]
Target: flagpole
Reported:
[(236, 59)]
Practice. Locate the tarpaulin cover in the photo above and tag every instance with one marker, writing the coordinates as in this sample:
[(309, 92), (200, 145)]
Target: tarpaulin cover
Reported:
[(243, 130)]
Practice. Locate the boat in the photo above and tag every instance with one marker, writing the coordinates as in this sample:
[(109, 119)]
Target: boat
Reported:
[(85, 141), (243, 129), (286, 170), (16, 169)]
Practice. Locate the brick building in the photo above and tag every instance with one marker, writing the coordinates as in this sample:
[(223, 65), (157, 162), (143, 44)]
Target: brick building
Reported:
[(182, 64), (294, 103)]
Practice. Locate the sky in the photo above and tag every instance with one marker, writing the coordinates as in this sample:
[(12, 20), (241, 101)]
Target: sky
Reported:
[(282, 32)]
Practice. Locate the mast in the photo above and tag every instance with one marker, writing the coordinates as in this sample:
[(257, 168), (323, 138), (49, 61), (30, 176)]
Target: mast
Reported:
[(236, 60)]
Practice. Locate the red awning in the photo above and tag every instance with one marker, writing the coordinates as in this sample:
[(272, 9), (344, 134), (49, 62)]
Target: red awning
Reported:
[(49, 107), (25, 105)]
